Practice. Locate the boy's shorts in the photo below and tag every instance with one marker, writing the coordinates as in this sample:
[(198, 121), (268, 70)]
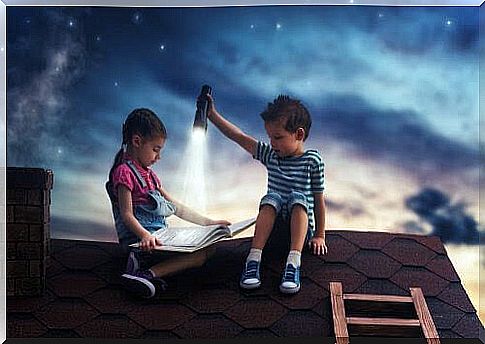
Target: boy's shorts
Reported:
[(280, 238)]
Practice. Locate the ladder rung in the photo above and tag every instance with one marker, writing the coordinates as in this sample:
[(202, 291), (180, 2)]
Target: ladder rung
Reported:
[(382, 321), (378, 298)]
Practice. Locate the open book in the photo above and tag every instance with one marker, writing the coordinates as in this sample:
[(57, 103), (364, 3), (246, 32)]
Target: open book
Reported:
[(190, 239)]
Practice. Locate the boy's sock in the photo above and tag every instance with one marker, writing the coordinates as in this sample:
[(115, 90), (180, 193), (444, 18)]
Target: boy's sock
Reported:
[(254, 254), (294, 258)]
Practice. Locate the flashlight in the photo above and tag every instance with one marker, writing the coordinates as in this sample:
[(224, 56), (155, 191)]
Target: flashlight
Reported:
[(200, 120)]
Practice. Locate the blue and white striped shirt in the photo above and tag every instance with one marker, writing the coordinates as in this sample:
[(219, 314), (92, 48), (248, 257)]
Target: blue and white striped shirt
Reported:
[(303, 174)]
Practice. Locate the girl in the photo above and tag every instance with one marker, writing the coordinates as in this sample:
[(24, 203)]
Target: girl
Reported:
[(141, 205)]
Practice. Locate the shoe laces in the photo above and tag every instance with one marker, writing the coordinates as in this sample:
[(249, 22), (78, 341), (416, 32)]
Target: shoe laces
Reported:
[(290, 273), (251, 269)]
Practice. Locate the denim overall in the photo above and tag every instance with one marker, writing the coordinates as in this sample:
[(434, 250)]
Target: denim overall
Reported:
[(151, 216)]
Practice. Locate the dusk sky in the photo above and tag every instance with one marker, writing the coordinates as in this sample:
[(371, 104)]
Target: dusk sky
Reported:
[(393, 92)]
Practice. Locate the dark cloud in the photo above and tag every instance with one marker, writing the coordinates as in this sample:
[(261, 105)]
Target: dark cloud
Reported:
[(397, 136), (348, 209), (449, 221)]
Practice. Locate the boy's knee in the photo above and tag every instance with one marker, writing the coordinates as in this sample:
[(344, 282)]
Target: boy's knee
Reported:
[(272, 200), (297, 202)]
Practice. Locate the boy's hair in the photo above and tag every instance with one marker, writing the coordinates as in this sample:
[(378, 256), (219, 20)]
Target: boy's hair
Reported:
[(143, 122), (292, 110)]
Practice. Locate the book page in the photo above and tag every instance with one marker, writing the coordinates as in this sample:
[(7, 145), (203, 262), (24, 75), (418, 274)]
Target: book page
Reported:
[(186, 236)]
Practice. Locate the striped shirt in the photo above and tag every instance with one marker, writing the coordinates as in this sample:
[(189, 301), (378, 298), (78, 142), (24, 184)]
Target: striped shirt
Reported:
[(303, 174)]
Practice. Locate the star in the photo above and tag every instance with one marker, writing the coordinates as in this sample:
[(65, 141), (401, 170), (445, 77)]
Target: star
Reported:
[(98, 38), (59, 150), (252, 26), (278, 26), (380, 15), (116, 83), (71, 23), (162, 47), (137, 18), (449, 22)]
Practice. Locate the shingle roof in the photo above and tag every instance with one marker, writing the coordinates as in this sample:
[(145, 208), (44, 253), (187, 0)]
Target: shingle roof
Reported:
[(84, 297)]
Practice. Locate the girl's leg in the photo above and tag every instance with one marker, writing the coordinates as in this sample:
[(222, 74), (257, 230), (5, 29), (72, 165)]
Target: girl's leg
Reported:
[(182, 262)]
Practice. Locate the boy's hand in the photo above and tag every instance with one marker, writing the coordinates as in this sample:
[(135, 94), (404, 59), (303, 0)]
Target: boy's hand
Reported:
[(317, 245), (211, 109), (149, 242)]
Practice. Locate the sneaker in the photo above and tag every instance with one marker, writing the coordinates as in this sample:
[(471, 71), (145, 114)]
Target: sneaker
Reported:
[(140, 283), (290, 283), (132, 264), (250, 276)]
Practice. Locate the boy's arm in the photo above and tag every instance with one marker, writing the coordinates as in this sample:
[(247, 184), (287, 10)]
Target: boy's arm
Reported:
[(244, 140), (317, 243), (190, 215)]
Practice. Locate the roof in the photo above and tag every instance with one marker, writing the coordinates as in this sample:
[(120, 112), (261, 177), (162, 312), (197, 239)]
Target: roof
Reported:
[(84, 297)]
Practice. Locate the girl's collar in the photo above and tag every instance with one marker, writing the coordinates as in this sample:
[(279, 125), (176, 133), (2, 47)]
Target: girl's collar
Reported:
[(126, 156)]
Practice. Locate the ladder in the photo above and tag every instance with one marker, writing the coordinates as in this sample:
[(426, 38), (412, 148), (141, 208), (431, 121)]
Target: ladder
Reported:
[(381, 315)]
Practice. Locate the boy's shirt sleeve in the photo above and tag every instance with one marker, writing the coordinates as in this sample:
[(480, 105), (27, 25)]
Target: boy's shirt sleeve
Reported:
[(122, 175), (263, 152), (317, 174)]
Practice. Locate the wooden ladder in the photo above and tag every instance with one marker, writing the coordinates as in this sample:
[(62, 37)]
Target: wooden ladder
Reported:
[(381, 315)]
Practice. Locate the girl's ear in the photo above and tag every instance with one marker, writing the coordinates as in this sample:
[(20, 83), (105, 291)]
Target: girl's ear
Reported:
[(300, 133), (136, 140)]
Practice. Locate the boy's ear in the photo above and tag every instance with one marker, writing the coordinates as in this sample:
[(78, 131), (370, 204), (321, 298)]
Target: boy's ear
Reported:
[(136, 140), (300, 133)]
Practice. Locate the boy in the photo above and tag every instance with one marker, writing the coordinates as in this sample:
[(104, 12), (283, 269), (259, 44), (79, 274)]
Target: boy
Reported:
[(295, 186)]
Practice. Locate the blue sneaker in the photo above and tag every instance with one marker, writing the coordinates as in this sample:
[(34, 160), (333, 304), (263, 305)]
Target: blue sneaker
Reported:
[(140, 283), (132, 264), (290, 283), (250, 276)]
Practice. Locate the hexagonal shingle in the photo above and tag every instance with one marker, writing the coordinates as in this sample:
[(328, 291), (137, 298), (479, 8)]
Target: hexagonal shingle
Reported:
[(308, 296), (374, 264), (74, 284), (469, 326), (339, 249), (214, 326), (444, 315), (381, 287), (408, 252), (82, 257), (211, 300), (301, 324), (111, 300), (456, 296), (161, 316), (28, 304), (442, 266), (367, 240), (256, 313), (66, 314), (350, 278), (430, 284), (111, 326)]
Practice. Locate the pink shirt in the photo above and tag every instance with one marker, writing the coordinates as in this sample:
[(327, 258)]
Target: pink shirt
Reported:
[(123, 175)]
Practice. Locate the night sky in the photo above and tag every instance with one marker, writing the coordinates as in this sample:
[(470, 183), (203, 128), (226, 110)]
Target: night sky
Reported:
[(393, 92)]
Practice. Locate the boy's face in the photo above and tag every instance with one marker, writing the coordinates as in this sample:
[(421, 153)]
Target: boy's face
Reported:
[(282, 141), (148, 150)]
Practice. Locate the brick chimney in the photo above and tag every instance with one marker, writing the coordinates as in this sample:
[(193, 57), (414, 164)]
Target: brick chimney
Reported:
[(28, 235)]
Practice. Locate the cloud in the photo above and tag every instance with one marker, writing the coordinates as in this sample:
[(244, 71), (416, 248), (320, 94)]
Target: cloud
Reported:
[(449, 221)]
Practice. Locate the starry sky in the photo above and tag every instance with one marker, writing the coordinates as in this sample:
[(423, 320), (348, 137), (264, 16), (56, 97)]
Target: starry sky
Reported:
[(393, 92)]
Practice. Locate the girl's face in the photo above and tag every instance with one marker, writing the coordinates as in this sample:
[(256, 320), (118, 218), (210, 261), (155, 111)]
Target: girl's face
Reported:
[(283, 142), (147, 151)]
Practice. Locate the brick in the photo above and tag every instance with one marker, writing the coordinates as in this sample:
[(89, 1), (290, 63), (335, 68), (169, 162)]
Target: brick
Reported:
[(10, 213), (10, 286), (21, 177), (11, 250), (35, 197), (17, 232), (17, 268), (46, 215), (29, 286), (36, 268), (16, 196), (29, 251), (28, 214), (36, 232)]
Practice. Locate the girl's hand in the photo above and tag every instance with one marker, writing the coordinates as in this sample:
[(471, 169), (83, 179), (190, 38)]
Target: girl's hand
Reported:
[(218, 222), (317, 245), (149, 242)]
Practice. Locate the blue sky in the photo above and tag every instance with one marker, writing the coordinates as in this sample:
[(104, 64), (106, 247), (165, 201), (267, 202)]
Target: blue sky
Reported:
[(393, 92)]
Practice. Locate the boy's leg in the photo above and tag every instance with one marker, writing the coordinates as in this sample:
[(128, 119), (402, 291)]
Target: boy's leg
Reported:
[(270, 206), (298, 226)]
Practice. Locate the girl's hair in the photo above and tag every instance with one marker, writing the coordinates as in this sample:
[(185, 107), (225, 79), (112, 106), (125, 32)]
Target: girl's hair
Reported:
[(143, 122)]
